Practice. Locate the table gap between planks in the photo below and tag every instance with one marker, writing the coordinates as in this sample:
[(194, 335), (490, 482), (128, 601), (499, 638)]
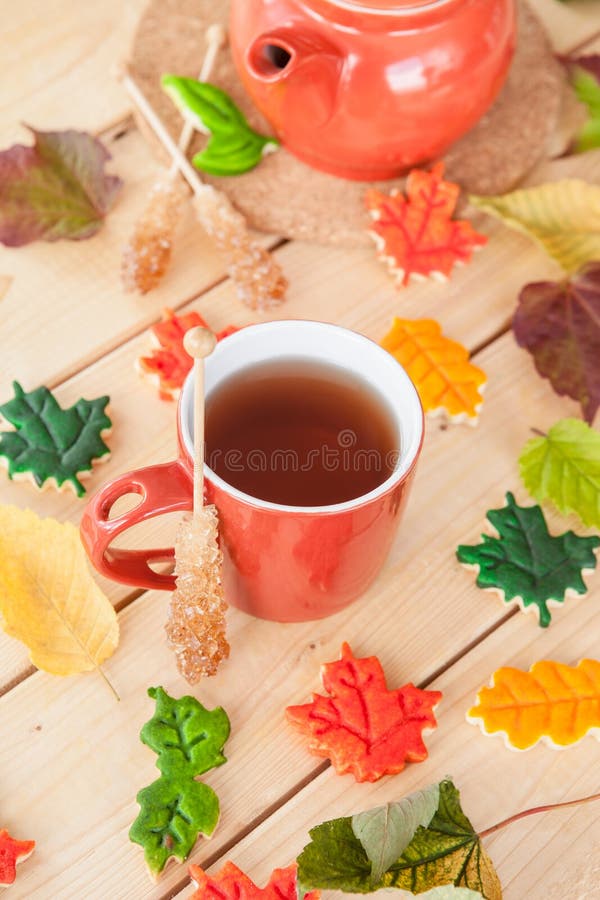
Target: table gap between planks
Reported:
[(71, 759)]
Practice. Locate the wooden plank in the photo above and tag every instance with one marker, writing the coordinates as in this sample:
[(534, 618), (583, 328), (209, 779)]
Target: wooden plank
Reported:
[(404, 618), (60, 66), (568, 24), (554, 855)]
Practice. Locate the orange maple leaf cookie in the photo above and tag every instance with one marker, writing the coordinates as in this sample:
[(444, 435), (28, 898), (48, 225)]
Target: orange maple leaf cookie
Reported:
[(416, 235), (168, 365), (362, 727), (12, 853), (448, 384), (233, 884), (554, 703)]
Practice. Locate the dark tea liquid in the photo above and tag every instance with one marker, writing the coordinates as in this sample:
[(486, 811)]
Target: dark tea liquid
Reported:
[(300, 433)]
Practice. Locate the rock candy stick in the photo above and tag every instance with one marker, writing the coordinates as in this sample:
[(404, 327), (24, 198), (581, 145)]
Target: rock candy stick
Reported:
[(196, 623), (257, 276), (147, 255)]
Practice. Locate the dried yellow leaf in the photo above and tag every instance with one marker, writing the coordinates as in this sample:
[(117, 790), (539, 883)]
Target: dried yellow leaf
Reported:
[(48, 598)]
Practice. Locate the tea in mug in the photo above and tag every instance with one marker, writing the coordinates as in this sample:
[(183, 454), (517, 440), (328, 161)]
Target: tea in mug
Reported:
[(300, 433)]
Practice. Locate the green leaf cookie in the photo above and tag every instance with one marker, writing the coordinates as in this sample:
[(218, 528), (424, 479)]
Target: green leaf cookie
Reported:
[(234, 147), (564, 467), (174, 811), (446, 852), (526, 563), (50, 442), (187, 737)]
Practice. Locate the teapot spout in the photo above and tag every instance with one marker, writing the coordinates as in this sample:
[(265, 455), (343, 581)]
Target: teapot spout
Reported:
[(306, 62)]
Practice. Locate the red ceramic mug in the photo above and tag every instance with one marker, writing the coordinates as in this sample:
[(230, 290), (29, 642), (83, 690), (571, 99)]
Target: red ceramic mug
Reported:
[(285, 563)]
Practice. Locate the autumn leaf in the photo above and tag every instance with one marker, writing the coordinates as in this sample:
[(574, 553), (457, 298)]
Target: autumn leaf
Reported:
[(51, 444), (48, 598), (584, 73), (564, 467), (559, 324), (439, 368), (563, 217), (416, 234), (230, 883), (362, 727), (175, 809), (525, 563), (552, 702), (168, 365), (234, 147), (11, 854), (55, 189), (446, 852)]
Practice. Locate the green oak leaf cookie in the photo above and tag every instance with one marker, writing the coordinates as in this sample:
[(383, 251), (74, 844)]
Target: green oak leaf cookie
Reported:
[(234, 147), (445, 852), (526, 563), (564, 467), (50, 442), (187, 737), (175, 809)]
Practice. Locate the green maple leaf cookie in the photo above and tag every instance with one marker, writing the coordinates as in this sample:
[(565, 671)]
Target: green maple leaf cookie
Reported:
[(187, 737), (175, 809), (564, 467), (447, 851), (526, 563), (50, 442)]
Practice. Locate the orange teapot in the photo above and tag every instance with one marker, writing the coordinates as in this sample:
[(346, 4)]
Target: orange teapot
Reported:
[(364, 89)]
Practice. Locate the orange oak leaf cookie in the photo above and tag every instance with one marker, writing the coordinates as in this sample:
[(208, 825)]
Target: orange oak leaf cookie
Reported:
[(168, 365), (232, 884), (362, 727), (11, 854), (553, 703), (448, 384), (416, 235)]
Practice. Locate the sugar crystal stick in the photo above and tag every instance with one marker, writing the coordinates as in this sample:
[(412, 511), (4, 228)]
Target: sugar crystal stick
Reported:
[(147, 254), (196, 623), (257, 276)]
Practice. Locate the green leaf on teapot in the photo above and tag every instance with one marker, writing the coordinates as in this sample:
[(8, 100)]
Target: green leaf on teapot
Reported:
[(234, 147)]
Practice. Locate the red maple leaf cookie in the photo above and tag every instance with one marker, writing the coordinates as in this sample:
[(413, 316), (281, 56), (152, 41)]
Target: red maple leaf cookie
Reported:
[(11, 854), (416, 235), (362, 727), (232, 884)]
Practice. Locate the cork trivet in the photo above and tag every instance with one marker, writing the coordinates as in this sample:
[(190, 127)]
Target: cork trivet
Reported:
[(286, 197)]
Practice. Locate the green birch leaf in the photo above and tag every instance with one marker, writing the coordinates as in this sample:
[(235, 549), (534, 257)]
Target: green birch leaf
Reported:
[(564, 467), (50, 442), (174, 811), (386, 832), (187, 737), (234, 147), (447, 852), (526, 563), (562, 216)]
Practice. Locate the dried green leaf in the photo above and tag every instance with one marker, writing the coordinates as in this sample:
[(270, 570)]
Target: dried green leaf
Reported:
[(55, 189)]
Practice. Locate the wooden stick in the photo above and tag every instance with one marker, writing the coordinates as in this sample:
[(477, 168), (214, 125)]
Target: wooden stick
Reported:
[(199, 343), (216, 37)]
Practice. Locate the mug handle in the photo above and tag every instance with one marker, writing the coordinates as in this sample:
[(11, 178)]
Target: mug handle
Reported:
[(163, 488)]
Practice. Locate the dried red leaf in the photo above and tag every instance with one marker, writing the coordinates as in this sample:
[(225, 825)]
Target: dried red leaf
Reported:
[(168, 364), (362, 727), (559, 323), (11, 854), (416, 234), (232, 884)]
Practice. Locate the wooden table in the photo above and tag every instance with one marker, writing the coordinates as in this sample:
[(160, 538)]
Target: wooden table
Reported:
[(71, 759)]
